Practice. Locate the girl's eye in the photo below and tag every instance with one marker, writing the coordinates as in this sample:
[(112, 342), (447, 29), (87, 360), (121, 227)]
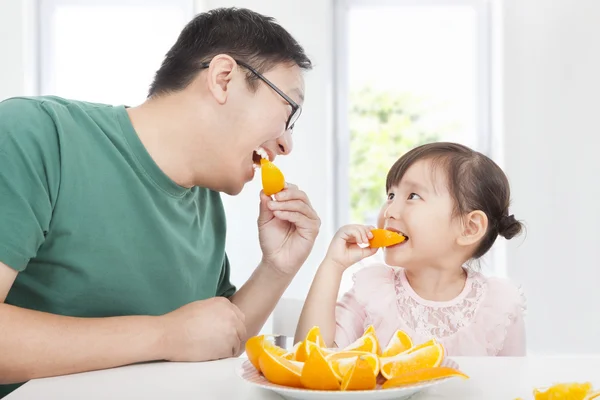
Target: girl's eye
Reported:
[(413, 196), (390, 196)]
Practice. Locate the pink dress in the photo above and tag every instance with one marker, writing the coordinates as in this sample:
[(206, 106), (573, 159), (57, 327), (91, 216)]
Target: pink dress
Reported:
[(485, 319)]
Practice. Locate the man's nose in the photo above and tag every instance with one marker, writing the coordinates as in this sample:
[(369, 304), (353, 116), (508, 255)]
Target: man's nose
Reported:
[(285, 143)]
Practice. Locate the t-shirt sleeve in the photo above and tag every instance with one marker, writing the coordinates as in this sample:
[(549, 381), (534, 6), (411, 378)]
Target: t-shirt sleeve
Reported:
[(29, 174), (226, 288)]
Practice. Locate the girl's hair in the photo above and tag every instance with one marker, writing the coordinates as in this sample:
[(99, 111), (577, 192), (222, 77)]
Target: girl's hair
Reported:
[(475, 182)]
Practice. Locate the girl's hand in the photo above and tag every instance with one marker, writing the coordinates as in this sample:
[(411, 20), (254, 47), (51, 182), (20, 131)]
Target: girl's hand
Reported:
[(350, 245)]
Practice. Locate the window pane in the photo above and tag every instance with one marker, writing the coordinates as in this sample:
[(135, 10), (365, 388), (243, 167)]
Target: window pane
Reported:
[(413, 78)]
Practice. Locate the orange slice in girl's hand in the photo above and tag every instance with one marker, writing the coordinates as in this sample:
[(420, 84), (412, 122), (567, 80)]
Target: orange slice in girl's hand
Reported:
[(272, 178), (385, 238)]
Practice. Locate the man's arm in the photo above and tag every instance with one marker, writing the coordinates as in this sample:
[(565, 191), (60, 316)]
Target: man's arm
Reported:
[(258, 297), (287, 230), (34, 344)]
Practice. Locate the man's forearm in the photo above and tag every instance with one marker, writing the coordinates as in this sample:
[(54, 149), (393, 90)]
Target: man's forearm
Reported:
[(258, 297), (34, 344)]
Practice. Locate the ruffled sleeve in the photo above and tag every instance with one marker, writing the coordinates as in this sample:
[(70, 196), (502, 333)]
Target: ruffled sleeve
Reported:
[(502, 316), (515, 341)]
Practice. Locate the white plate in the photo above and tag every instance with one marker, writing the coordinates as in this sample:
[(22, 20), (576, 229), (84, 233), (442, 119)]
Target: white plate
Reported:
[(248, 373)]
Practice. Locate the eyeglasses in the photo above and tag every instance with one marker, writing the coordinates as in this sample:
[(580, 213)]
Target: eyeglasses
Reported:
[(296, 109)]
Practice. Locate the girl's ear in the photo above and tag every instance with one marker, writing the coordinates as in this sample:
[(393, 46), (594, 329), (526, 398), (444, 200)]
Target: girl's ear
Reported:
[(474, 227)]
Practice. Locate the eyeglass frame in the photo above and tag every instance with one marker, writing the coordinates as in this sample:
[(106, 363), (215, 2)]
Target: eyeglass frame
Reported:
[(289, 125)]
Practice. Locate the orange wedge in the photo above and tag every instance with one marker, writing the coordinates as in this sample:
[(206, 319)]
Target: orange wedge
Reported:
[(342, 361), (303, 349), (310, 346), (368, 343), (317, 373), (423, 375), (371, 329), (385, 238), (279, 370), (574, 391), (255, 347), (314, 335), (426, 357), (399, 343), (272, 178), (300, 353), (430, 342), (360, 376)]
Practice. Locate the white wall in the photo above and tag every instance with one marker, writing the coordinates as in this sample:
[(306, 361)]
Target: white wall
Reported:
[(552, 137), (310, 164)]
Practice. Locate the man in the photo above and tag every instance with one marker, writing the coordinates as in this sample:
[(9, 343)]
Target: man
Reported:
[(112, 230)]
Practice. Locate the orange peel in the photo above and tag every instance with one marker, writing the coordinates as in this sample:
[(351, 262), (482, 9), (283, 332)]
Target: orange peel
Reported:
[(423, 375)]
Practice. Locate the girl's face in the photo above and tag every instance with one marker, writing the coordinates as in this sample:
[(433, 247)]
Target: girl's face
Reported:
[(421, 208)]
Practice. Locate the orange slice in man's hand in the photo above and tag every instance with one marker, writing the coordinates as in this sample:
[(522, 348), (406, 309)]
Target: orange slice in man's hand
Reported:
[(385, 238), (272, 178)]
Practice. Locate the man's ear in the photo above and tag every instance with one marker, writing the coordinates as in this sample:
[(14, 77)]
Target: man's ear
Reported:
[(220, 73), (474, 227)]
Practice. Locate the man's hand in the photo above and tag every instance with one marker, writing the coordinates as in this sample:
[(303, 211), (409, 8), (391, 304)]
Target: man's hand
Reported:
[(203, 330), (287, 229)]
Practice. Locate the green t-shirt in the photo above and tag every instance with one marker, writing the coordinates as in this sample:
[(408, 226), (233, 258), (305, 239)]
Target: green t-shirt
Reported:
[(92, 224)]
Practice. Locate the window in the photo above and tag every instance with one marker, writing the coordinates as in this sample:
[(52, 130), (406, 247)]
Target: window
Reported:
[(408, 72), (106, 51)]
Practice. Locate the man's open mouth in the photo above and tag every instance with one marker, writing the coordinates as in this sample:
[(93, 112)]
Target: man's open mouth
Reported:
[(259, 154)]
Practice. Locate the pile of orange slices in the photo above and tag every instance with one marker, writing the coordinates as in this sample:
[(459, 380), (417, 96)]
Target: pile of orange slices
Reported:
[(358, 366)]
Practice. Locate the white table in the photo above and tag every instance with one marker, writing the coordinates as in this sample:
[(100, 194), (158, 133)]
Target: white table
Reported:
[(491, 379)]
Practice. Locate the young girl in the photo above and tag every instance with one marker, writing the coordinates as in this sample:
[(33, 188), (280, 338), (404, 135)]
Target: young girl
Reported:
[(450, 203)]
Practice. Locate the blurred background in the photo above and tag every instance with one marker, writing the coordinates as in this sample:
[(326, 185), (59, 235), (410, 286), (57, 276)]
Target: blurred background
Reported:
[(517, 80)]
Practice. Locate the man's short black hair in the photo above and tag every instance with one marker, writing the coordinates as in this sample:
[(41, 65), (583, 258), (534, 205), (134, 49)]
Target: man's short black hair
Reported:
[(243, 34)]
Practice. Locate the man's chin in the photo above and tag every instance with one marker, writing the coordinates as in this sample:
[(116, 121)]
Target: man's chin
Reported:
[(233, 188)]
